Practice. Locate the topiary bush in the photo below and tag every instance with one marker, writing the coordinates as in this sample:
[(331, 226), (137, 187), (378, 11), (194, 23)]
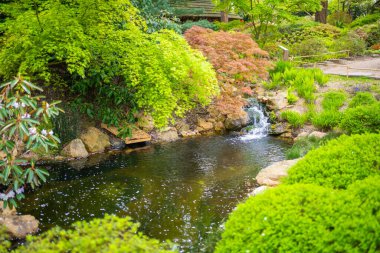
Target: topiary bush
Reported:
[(339, 163), (362, 119), (362, 98), (111, 234), (306, 218)]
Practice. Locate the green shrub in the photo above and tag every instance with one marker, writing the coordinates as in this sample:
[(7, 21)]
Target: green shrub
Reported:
[(4, 243), (326, 120), (362, 98), (291, 97), (364, 20), (303, 145), (373, 36), (232, 25), (339, 19), (312, 46), (333, 100), (281, 67), (202, 23), (110, 234), (339, 163), (306, 218), (295, 119), (305, 85), (351, 42), (320, 77), (361, 119)]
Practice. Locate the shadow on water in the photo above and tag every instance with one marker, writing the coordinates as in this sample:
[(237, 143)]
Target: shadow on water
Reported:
[(180, 191)]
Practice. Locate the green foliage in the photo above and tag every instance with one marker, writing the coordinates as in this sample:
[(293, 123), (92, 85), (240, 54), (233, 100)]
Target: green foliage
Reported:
[(295, 119), (107, 59), (339, 19), (373, 37), (339, 163), (231, 25), (333, 100), (202, 23), (4, 243), (361, 119), (364, 20), (306, 218), (320, 77), (110, 234), (303, 145), (281, 67), (309, 47), (291, 97), (352, 42), (21, 114), (362, 98), (326, 120), (305, 85)]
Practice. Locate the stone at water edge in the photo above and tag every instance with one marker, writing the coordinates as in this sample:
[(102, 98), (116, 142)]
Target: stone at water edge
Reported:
[(259, 190), (95, 140), (236, 121), (18, 226), (204, 125), (167, 135), (75, 149), (271, 175), (317, 134), (301, 135)]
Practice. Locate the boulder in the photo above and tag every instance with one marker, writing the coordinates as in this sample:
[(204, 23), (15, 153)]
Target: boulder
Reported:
[(301, 135), (145, 122), (95, 140), (278, 128), (317, 134), (219, 126), (19, 226), (204, 126), (259, 190), (167, 135), (189, 133), (75, 149), (236, 121), (271, 175), (117, 143)]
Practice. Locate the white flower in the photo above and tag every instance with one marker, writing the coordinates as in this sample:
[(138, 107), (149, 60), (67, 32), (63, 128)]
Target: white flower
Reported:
[(44, 132), (20, 190), (47, 105), (16, 105), (23, 105), (51, 132), (26, 116), (32, 131)]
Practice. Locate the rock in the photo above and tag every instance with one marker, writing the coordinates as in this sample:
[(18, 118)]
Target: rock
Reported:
[(278, 128), (236, 121), (287, 135), (189, 133), (95, 140), (219, 126), (181, 126), (167, 135), (117, 143), (301, 135), (271, 175), (204, 126), (317, 134), (7, 211), (75, 149), (19, 226), (145, 122), (259, 190), (138, 135)]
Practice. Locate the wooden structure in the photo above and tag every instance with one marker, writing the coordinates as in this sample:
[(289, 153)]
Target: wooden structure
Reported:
[(200, 9)]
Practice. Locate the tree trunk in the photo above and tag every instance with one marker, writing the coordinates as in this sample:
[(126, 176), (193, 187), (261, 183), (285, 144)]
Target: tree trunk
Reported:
[(223, 16), (321, 16)]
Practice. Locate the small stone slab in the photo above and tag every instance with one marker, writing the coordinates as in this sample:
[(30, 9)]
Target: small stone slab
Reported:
[(271, 175), (138, 135)]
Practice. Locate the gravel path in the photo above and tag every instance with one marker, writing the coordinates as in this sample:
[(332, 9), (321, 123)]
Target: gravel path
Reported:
[(363, 66)]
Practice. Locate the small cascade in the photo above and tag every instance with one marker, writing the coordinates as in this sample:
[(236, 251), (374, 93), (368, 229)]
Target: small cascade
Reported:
[(260, 122)]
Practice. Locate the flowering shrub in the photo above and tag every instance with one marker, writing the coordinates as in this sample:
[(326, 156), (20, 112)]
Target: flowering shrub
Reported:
[(21, 115)]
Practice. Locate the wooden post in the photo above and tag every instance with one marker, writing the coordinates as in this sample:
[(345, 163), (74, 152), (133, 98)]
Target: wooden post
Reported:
[(223, 16), (285, 53)]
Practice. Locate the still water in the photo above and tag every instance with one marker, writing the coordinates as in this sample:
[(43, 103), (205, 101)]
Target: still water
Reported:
[(182, 191)]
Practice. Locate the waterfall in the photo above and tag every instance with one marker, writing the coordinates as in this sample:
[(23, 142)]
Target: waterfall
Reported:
[(259, 121)]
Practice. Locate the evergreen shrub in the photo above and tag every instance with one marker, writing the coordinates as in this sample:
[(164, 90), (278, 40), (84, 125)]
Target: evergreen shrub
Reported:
[(326, 120), (362, 98), (339, 163), (362, 119), (306, 218)]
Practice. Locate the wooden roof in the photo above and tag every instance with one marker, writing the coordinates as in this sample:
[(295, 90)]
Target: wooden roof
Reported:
[(198, 9)]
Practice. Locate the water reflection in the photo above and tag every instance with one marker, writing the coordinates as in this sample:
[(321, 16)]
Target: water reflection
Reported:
[(180, 191)]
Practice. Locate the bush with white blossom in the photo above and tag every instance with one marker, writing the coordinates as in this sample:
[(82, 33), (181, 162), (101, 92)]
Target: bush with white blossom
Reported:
[(21, 115)]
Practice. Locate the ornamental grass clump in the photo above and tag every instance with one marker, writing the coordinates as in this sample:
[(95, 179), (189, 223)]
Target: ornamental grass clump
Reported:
[(339, 163), (21, 119), (306, 218)]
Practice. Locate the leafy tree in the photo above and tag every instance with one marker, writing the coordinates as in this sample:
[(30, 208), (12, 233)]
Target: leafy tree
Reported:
[(21, 130), (100, 51), (264, 15)]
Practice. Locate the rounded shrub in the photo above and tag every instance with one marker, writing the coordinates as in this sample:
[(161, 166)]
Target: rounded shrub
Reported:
[(361, 119), (111, 234), (306, 218), (312, 46), (326, 120), (339, 163), (351, 42), (333, 100), (362, 98)]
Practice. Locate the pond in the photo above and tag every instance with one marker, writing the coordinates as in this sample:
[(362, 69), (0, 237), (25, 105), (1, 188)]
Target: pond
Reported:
[(182, 191)]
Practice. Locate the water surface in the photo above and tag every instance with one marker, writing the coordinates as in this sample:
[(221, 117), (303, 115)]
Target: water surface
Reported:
[(182, 191)]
